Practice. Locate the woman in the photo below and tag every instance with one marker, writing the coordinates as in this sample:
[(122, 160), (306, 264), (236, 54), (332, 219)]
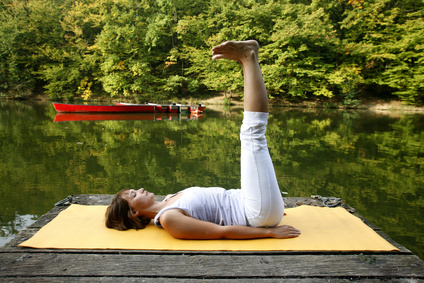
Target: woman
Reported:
[(254, 211)]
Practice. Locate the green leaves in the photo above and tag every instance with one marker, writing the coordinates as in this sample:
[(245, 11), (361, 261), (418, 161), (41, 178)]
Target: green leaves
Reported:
[(386, 36), (129, 48)]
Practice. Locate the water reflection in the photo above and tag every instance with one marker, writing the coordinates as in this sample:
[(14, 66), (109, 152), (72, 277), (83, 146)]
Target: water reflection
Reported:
[(374, 162), (9, 229)]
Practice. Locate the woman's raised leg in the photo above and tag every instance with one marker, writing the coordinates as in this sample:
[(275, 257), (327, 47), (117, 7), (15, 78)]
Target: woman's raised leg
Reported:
[(264, 205)]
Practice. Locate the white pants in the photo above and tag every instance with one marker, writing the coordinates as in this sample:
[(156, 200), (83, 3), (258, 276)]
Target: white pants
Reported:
[(264, 206)]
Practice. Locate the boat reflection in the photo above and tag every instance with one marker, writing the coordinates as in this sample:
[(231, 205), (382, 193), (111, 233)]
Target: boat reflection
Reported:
[(68, 117)]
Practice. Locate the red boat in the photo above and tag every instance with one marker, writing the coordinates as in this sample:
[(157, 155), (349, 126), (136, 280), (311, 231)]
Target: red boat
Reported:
[(64, 107), (166, 108), (71, 117), (173, 108), (66, 117), (158, 107)]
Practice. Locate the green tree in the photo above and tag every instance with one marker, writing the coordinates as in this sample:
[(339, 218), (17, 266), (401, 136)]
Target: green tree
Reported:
[(71, 69), (302, 52), (385, 38), (27, 29)]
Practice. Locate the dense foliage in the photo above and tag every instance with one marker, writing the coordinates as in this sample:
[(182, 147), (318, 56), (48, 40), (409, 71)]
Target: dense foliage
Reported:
[(154, 50)]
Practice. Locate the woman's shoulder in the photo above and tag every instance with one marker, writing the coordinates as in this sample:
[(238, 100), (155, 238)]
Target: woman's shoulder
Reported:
[(173, 211), (168, 215)]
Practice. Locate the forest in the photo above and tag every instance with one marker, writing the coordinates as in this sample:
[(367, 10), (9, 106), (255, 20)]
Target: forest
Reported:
[(158, 50)]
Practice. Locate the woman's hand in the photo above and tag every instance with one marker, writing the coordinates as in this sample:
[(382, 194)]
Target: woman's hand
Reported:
[(284, 231), (181, 226)]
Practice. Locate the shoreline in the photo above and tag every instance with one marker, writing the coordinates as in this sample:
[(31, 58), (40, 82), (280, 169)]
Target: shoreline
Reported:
[(215, 102), (375, 105)]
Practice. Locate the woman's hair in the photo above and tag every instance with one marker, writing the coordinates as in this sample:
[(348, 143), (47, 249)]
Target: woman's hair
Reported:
[(119, 215)]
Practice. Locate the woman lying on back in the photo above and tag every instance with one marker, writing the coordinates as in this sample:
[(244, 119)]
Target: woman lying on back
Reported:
[(254, 211)]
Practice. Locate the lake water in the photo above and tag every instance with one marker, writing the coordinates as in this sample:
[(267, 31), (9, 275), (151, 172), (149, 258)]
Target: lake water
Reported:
[(375, 162)]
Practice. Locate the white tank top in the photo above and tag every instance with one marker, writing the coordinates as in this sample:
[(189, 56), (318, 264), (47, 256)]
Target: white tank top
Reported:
[(216, 205)]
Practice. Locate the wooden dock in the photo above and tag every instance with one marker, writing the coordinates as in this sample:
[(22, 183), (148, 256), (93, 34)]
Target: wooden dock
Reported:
[(26, 264)]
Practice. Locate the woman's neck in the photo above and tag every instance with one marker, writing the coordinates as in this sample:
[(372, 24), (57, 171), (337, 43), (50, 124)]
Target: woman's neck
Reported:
[(157, 206)]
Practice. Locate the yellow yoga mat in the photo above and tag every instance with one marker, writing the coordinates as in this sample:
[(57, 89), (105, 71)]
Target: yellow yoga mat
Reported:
[(323, 229)]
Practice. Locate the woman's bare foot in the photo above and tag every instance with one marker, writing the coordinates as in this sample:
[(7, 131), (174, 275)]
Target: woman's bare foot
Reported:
[(246, 53), (239, 51)]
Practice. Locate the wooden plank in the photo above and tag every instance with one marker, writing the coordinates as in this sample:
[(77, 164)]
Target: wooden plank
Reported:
[(211, 266), (124, 279)]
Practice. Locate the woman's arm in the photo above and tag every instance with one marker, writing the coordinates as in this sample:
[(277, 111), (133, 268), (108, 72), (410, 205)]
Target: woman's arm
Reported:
[(181, 226)]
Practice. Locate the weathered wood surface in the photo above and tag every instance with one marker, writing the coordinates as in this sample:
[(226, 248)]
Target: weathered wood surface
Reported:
[(209, 266), (22, 264)]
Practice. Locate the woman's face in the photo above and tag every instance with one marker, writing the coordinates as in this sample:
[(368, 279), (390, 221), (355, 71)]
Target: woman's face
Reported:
[(139, 200)]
